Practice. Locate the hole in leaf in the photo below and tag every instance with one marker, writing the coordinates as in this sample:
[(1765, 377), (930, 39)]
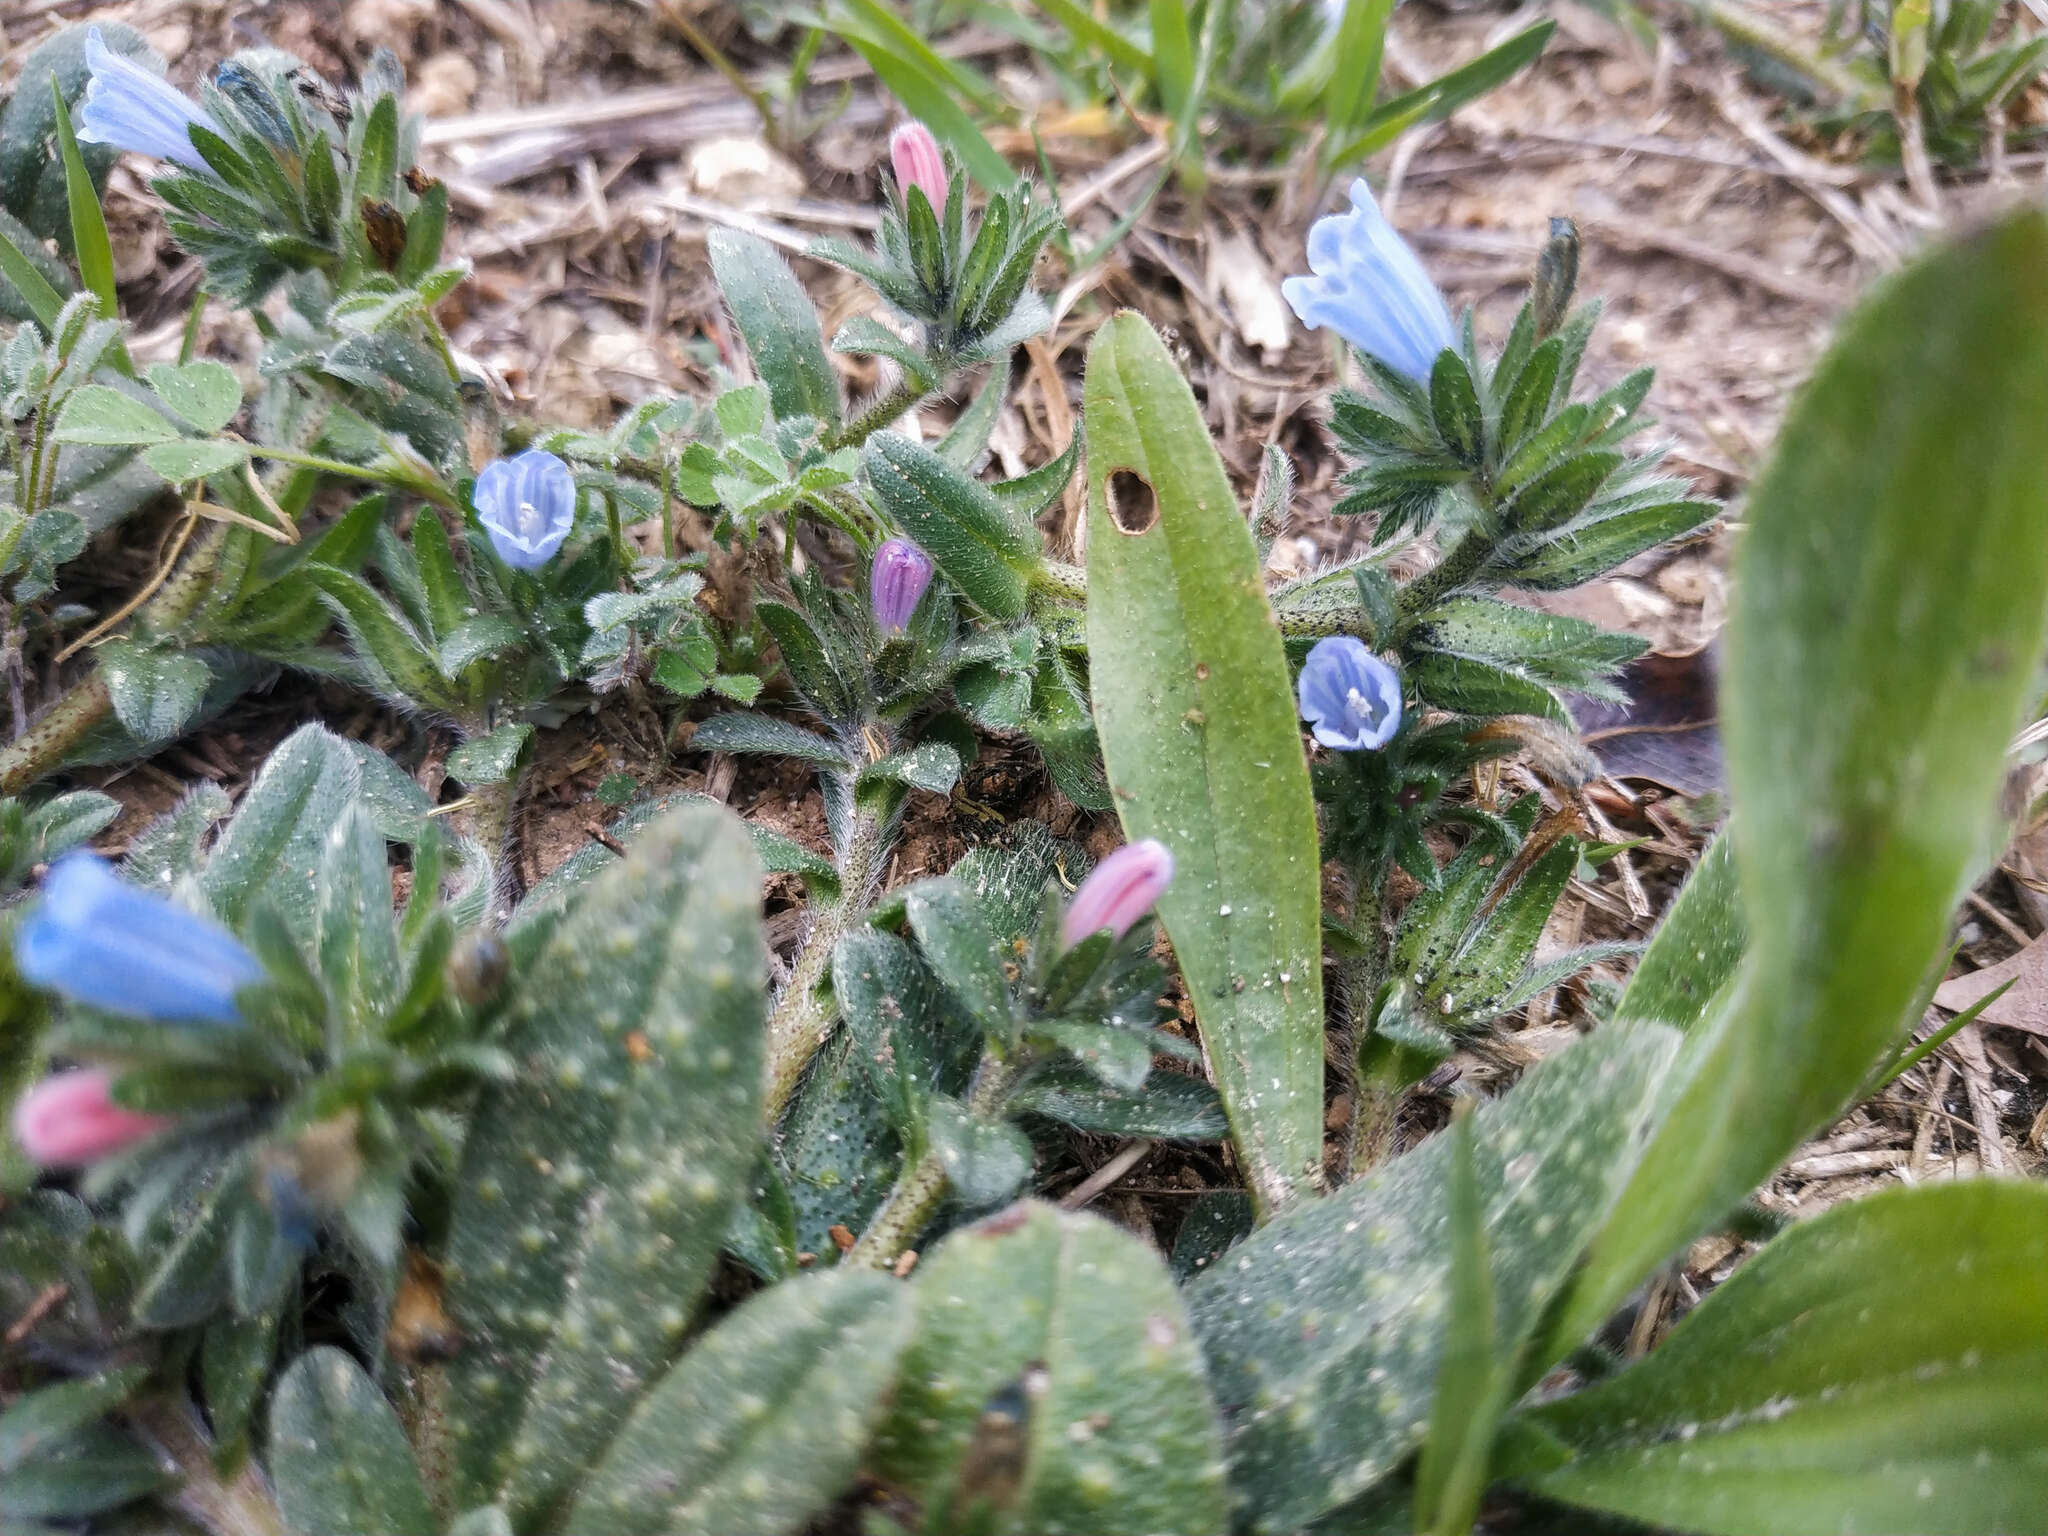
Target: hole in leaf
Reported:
[(1132, 506)]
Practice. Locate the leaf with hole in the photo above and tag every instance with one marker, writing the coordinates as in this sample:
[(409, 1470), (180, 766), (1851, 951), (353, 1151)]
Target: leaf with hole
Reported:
[(1195, 709)]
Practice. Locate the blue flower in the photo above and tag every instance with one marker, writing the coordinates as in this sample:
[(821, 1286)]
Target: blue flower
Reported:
[(1350, 698), (131, 107), (1369, 288), (98, 940), (527, 504)]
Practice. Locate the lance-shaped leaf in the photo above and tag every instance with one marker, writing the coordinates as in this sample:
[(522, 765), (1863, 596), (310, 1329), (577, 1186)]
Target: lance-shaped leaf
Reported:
[(1882, 649), (1878, 1369), (779, 323), (1195, 711), (272, 847), (594, 1190), (338, 1456), (988, 548), (762, 1423), (1052, 1385), (1325, 1330)]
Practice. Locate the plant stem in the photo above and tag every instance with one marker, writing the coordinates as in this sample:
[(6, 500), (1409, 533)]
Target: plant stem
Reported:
[(1464, 561), (884, 410), (46, 743), (243, 1507), (1063, 580), (922, 1185), (38, 750), (802, 1019)]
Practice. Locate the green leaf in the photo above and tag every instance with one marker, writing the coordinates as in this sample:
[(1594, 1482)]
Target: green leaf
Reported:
[(594, 1191), (1696, 948), (918, 78), (930, 765), (1171, 1106), (44, 302), (986, 548), (961, 948), (271, 848), (1173, 59), (1448, 92), (97, 1468), (492, 759), (205, 394), (985, 1160), (338, 1457), (90, 247), (746, 732), (185, 461), (386, 644), (39, 1419), (355, 937), (1473, 1381), (1051, 1385), (966, 441), (893, 1011), (1880, 655), (762, 1424), (1325, 1329), (1196, 713), (1877, 1369), (154, 691), (779, 324), (1355, 77), (99, 413), (865, 336)]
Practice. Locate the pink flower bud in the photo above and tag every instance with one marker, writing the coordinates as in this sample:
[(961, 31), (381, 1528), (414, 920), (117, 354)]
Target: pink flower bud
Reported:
[(71, 1119), (915, 154), (1120, 891)]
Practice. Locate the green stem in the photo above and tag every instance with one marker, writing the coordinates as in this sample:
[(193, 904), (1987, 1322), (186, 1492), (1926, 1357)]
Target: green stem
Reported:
[(38, 750), (49, 740), (1062, 580), (907, 393), (803, 1018), (922, 1186), (1465, 561), (425, 489), (1358, 983)]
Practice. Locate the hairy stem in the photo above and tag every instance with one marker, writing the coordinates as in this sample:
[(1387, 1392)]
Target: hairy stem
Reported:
[(1464, 561), (1358, 979), (921, 1186), (37, 751), (241, 1507), (803, 1019), (885, 409)]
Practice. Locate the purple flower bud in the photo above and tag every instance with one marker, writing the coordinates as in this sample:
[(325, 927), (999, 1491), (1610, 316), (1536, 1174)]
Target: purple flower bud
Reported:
[(1350, 698), (901, 573), (1369, 288), (100, 941), (527, 504), (70, 1120), (915, 155), (131, 107), (1121, 890)]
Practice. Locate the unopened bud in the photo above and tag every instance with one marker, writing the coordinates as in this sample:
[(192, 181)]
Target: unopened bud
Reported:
[(918, 163)]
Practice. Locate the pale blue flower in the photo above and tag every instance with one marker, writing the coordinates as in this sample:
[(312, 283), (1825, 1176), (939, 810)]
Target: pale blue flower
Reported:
[(100, 941), (131, 107), (1370, 289), (1350, 698), (527, 504)]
